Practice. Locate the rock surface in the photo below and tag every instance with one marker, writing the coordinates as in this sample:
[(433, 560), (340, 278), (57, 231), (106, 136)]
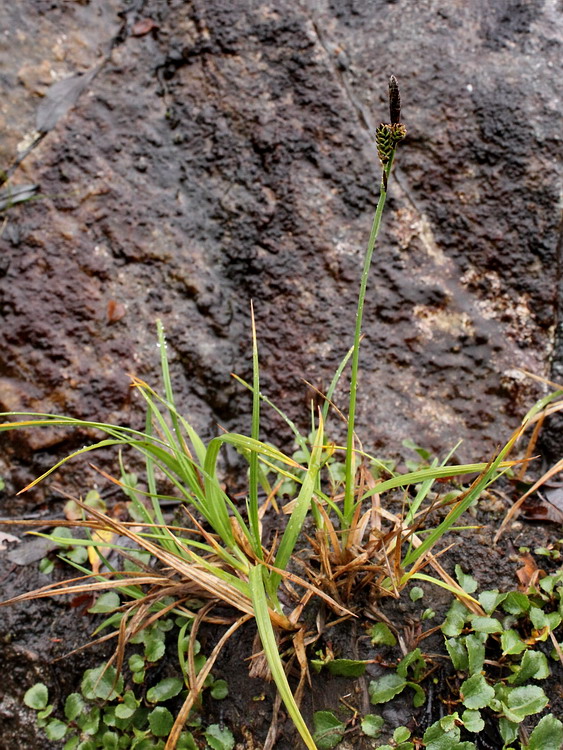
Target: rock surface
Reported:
[(202, 154), (223, 152)]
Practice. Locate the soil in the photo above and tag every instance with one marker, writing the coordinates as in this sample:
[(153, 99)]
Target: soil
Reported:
[(36, 634), (191, 156)]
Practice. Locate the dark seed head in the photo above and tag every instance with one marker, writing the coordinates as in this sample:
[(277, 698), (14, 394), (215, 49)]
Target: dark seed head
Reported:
[(394, 101)]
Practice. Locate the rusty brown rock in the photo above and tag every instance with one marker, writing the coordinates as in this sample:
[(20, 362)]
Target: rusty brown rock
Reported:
[(230, 157)]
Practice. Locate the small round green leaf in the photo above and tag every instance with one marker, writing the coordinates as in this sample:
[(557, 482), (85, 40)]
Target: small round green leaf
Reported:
[(511, 642), (55, 729), (154, 647), (475, 692), (219, 738), (508, 730), (44, 713), (346, 667), (548, 735), (475, 644), (401, 734), (219, 690), (533, 666), (122, 711), (381, 635), (472, 720), (106, 603), (76, 554), (467, 582), (165, 689), (160, 721), (89, 722), (516, 603), (524, 701), (490, 600), (386, 687), (136, 663), (455, 619), (46, 565), (37, 696), (74, 705), (416, 593), (372, 725), (328, 730), (101, 683), (414, 663), (458, 653), (486, 624)]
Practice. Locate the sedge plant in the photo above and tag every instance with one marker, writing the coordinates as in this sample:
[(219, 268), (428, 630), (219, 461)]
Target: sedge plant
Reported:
[(219, 555), (221, 558), (387, 137)]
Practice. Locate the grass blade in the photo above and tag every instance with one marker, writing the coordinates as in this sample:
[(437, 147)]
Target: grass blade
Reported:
[(302, 505), (268, 639)]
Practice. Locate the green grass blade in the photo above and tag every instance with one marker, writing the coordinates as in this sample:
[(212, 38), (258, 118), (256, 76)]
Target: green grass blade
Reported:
[(334, 382), (196, 441), (541, 404), (300, 439), (48, 420), (440, 472), (74, 454), (184, 461), (456, 590), (425, 488), (149, 469), (166, 381), (297, 518), (268, 639), (489, 474)]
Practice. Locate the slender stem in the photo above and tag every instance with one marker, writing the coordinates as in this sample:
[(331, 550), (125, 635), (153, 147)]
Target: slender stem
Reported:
[(349, 504), (253, 518)]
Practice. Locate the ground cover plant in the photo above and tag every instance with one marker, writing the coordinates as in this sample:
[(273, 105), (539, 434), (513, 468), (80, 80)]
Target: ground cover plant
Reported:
[(214, 558)]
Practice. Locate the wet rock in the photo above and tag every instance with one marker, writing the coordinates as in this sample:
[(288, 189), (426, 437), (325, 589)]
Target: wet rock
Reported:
[(230, 157)]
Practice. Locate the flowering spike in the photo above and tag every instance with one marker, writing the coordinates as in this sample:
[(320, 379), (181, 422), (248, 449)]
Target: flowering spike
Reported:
[(384, 142), (394, 101), (388, 135)]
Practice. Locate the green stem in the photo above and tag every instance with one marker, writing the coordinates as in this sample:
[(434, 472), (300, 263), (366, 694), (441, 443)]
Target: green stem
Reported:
[(253, 518), (349, 504)]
